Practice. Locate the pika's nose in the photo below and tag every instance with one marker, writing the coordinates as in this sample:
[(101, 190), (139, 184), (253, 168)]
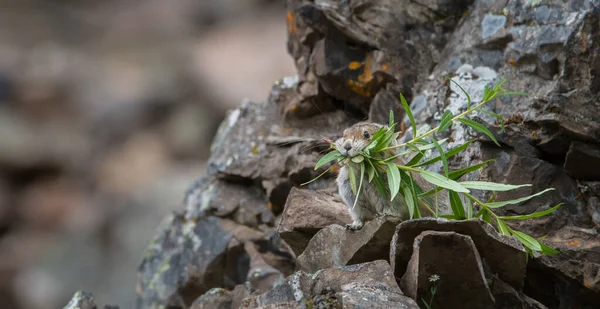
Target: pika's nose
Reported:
[(347, 146)]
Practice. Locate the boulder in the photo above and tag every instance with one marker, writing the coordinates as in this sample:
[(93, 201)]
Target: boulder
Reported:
[(336, 288), (336, 246), (449, 263), (503, 255), (307, 212)]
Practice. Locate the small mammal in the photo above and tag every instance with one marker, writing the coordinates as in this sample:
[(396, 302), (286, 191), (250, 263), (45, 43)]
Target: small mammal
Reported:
[(370, 203)]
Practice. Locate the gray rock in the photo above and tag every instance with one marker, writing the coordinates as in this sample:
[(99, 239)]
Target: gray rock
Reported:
[(307, 212), (504, 256), (336, 246), (85, 300), (215, 298), (355, 295), (81, 300), (507, 297), (455, 259), (334, 286), (245, 204), (580, 158), (190, 257), (491, 24)]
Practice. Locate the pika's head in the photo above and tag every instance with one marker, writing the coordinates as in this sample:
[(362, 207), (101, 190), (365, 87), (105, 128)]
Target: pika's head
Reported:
[(356, 138)]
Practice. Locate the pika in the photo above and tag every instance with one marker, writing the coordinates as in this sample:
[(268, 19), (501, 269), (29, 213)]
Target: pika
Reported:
[(370, 202)]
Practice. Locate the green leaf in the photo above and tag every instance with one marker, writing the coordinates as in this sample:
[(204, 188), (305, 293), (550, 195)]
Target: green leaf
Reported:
[(446, 121), (370, 170), (450, 153), (528, 241), (502, 228), (456, 174), (352, 178), (478, 127), (487, 93), (456, 204), (516, 201), (415, 159), (533, 215), (333, 155), (391, 122), (548, 250), (500, 119), (490, 186), (485, 216), (442, 156), (386, 139), (410, 201), (380, 186), (362, 176), (469, 209), (358, 159), (378, 135), (409, 114), (442, 181), (393, 176), (463, 90)]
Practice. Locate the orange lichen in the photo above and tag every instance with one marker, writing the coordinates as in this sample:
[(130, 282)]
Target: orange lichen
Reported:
[(384, 67), (587, 284), (579, 196), (367, 75), (335, 169), (291, 23), (512, 61), (573, 243), (354, 65), (293, 108), (270, 206), (360, 86)]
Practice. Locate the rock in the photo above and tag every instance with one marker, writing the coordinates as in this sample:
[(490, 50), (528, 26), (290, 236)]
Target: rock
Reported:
[(354, 49), (190, 257), (245, 204), (386, 100), (333, 286), (81, 300), (506, 296), (355, 295), (307, 212), (336, 246), (261, 276), (455, 259), (491, 24), (504, 256), (215, 298), (84, 300), (239, 293), (579, 160)]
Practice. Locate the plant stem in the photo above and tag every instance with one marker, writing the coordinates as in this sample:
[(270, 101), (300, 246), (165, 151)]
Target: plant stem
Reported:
[(422, 136), (481, 204)]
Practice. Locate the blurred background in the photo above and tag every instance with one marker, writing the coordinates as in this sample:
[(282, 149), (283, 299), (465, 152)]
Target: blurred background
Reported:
[(107, 110)]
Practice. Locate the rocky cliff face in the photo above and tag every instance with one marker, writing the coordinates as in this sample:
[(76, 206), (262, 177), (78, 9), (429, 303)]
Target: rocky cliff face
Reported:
[(250, 237)]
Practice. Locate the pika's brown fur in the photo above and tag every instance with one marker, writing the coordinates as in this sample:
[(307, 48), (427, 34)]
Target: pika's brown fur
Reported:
[(370, 202)]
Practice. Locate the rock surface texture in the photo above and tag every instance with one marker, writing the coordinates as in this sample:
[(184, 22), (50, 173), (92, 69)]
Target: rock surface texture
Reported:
[(251, 237)]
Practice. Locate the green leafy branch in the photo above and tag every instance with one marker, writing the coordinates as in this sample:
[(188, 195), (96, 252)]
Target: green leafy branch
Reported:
[(378, 162)]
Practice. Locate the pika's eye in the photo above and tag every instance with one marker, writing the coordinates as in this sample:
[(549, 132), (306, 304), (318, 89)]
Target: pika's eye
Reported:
[(366, 134)]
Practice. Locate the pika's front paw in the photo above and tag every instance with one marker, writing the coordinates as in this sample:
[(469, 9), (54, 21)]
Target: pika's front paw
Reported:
[(356, 225)]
